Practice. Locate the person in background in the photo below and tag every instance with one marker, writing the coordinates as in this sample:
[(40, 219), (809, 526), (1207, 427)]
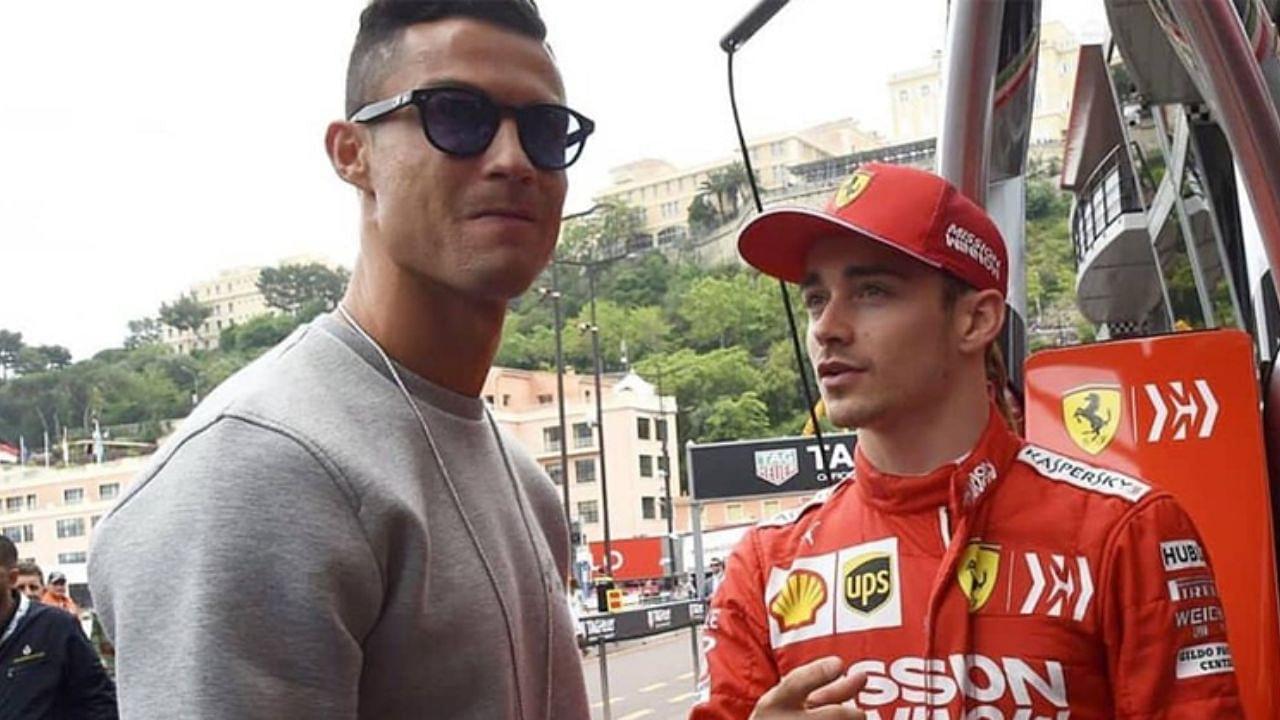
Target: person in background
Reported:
[(48, 669), (30, 580), (56, 594)]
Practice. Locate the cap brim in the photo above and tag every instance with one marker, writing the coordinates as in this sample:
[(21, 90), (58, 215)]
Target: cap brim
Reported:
[(777, 242)]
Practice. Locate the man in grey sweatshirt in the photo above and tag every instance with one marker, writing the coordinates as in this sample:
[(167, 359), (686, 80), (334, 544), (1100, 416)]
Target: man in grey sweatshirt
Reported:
[(341, 530)]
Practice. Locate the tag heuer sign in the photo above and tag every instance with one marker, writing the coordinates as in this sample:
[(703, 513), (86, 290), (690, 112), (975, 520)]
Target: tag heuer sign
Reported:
[(777, 466)]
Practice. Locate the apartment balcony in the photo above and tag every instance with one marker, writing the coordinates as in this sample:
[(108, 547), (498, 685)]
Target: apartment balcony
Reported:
[(1116, 276)]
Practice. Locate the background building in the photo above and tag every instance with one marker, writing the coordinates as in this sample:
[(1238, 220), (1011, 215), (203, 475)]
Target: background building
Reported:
[(233, 299), (915, 95), (664, 192), (50, 513), (636, 421)]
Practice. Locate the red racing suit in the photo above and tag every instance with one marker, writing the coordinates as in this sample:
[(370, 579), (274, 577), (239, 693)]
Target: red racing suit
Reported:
[(1015, 584)]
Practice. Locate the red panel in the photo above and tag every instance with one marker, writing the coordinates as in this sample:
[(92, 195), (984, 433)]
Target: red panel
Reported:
[(633, 558), (1182, 412)]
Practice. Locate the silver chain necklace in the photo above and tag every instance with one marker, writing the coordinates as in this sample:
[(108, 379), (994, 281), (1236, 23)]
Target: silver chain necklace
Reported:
[(466, 519)]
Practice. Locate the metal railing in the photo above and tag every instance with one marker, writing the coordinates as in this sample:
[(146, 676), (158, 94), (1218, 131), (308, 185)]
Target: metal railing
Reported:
[(1108, 194)]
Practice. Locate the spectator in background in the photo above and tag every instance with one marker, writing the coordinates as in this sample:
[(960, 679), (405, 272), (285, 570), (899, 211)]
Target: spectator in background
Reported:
[(57, 596), (30, 580), (48, 670)]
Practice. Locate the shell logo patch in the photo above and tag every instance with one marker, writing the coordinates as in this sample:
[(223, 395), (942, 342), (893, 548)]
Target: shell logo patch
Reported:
[(852, 187), (796, 604)]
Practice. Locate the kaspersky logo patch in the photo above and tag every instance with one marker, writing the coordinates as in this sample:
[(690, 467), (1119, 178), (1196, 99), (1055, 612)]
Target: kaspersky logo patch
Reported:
[(977, 573), (852, 187), (1092, 415), (796, 605)]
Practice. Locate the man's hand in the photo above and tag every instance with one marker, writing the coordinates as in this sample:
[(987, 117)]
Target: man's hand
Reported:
[(813, 692)]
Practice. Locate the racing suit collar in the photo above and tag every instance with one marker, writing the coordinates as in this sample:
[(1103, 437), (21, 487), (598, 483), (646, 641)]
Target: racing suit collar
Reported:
[(955, 485)]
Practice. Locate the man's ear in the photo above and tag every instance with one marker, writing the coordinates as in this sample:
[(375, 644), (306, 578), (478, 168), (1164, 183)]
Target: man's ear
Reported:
[(979, 318), (348, 144)]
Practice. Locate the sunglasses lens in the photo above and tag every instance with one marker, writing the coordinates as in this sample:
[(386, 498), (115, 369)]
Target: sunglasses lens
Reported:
[(459, 122), (552, 136)]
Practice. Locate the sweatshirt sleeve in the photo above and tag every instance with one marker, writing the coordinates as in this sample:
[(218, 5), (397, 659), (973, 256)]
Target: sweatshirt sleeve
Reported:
[(237, 582), (1165, 630), (739, 664)]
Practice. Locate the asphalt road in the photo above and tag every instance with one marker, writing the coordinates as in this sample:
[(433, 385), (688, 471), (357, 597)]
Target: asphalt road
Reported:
[(651, 679)]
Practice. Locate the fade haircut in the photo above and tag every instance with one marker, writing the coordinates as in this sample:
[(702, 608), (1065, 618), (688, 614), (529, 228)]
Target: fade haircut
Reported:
[(8, 553), (382, 26)]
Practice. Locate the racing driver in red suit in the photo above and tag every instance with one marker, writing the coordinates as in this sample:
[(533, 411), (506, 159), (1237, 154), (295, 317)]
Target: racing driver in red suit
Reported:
[(960, 573)]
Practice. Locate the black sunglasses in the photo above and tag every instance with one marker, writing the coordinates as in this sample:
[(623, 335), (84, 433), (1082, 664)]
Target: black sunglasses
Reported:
[(462, 122)]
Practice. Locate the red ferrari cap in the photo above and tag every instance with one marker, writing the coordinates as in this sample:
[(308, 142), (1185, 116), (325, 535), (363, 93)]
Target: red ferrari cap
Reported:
[(907, 209)]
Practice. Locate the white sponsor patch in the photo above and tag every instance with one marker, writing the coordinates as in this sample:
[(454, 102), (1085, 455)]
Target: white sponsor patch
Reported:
[(799, 600), (918, 689), (1207, 659), (1073, 472), (1181, 554), (967, 243), (870, 587), (1192, 588), (1198, 615)]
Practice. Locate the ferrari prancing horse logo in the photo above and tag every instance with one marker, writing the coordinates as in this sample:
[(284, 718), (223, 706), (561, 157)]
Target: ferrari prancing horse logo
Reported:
[(1092, 414), (977, 572), (852, 187)]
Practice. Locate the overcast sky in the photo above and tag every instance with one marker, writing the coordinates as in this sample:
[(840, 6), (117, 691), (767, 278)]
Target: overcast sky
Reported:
[(150, 143)]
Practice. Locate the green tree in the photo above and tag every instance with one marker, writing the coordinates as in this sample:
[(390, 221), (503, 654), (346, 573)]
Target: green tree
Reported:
[(743, 417), (258, 334), (702, 216), (10, 350), (603, 233), (41, 358), (292, 288), (144, 331), (185, 313)]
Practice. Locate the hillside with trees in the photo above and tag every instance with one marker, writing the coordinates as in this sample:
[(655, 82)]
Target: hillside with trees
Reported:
[(715, 338)]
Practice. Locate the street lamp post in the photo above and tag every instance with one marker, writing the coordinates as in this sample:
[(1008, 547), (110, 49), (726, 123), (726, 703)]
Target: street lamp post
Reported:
[(592, 268), (666, 477), (564, 435)]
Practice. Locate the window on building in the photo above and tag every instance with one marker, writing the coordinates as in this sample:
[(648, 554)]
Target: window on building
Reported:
[(108, 491), (582, 435), (71, 558), (733, 513), (924, 91), (556, 472), (545, 399), (72, 527), (489, 399), (648, 508), (660, 426), (73, 496), (642, 428), (19, 533), (664, 466), (902, 96), (584, 471), (769, 508), (588, 512), (646, 466), (551, 438), (13, 504), (506, 400)]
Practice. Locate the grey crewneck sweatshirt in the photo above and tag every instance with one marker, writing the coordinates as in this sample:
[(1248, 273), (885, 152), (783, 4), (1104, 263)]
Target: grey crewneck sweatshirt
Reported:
[(294, 552)]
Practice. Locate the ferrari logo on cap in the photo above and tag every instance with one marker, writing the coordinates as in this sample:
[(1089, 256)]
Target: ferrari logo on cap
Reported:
[(1092, 414), (852, 187), (979, 567)]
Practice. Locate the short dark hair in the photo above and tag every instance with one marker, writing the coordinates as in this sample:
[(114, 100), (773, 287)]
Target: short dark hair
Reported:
[(29, 567), (8, 553), (382, 26)]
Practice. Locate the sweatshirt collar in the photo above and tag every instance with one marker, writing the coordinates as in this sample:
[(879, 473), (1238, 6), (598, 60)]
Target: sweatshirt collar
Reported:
[(957, 485)]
